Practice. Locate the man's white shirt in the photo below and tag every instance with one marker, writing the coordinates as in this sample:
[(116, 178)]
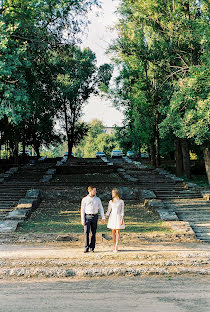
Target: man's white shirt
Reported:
[(91, 205)]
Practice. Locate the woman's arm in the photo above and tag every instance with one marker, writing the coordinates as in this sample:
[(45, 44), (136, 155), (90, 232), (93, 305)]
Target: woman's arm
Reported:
[(109, 208), (122, 208)]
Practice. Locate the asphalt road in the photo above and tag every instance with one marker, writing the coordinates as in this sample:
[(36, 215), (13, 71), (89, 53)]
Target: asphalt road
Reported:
[(157, 294)]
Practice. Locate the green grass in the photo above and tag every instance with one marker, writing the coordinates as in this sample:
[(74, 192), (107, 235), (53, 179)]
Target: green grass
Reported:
[(62, 216)]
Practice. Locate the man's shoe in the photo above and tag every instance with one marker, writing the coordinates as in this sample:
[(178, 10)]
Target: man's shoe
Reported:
[(86, 250), (92, 250)]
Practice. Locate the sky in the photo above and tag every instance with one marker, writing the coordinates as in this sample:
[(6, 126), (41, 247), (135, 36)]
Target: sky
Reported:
[(98, 39)]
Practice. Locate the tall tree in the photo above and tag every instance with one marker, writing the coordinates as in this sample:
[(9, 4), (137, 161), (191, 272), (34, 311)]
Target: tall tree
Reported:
[(162, 41)]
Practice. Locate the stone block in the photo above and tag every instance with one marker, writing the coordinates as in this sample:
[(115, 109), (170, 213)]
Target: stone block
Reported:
[(121, 170), (43, 158), (105, 236), (104, 159), (147, 194), (33, 194), (177, 179), (140, 166), (13, 170), (27, 203), (182, 226), (46, 178), (191, 185), (8, 226), (7, 175), (167, 215), (206, 195), (128, 160), (18, 214), (161, 171), (129, 178), (126, 192), (64, 159), (58, 164), (154, 203), (66, 238), (51, 171)]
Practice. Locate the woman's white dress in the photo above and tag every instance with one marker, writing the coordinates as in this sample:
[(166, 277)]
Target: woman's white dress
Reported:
[(116, 213)]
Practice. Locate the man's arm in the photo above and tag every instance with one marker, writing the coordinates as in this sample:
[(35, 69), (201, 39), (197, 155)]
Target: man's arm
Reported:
[(83, 211)]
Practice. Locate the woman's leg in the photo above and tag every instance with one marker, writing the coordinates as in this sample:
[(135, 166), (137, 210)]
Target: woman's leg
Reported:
[(117, 238), (114, 237)]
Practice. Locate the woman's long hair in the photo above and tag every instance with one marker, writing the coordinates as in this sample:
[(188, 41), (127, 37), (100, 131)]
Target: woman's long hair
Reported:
[(117, 192)]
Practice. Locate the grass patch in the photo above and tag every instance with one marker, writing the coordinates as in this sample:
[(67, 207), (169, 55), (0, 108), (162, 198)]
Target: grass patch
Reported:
[(62, 216)]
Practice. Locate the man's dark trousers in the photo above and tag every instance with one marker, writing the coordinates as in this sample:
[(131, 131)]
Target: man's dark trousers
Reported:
[(90, 224)]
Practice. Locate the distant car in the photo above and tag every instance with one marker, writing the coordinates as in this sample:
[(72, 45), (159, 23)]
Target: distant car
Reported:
[(100, 154), (116, 154), (130, 154), (27, 153), (66, 154), (144, 155)]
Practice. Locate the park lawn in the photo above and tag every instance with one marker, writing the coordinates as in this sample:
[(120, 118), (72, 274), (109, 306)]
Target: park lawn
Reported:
[(62, 216)]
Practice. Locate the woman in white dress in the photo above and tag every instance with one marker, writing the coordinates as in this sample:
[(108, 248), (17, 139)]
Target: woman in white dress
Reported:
[(116, 217)]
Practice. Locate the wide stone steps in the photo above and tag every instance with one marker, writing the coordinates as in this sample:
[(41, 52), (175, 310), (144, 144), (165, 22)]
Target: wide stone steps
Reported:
[(13, 190), (8, 196), (192, 209), (7, 203), (176, 196), (188, 204), (201, 229)]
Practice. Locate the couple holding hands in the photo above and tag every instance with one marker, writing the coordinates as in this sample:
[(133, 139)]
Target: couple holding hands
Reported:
[(90, 206)]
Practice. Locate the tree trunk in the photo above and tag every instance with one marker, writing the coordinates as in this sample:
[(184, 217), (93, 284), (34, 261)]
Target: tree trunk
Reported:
[(70, 146), (7, 150), (186, 157), (24, 146), (0, 146), (207, 162), (37, 151), (16, 151), (152, 153), (179, 161), (157, 148)]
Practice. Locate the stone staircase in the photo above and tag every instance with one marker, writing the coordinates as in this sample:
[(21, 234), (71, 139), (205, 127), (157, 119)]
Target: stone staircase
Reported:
[(164, 188), (188, 204), (196, 212), (14, 189)]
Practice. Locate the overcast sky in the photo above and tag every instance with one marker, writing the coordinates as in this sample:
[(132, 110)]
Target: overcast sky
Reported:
[(98, 38)]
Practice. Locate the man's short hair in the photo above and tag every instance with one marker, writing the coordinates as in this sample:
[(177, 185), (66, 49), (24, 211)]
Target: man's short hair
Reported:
[(90, 188)]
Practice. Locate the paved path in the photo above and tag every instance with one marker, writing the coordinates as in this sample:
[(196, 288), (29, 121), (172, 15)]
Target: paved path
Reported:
[(51, 251), (106, 295)]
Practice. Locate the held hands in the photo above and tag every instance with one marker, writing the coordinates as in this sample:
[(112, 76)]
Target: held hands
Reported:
[(121, 221), (103, 221)]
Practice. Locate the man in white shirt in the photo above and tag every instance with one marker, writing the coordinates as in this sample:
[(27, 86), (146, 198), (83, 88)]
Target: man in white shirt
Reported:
[(90, 206)]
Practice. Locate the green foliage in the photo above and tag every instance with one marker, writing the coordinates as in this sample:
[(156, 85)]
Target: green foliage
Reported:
[(31, 37), (96, 141), (189, 111), (162, 55)]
